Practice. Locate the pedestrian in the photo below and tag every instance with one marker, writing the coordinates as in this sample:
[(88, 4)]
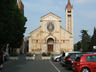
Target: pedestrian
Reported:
[(1, 59), (63, 54)]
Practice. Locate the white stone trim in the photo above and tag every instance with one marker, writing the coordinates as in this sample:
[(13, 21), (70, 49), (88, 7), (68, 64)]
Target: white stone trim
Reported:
[(50, 37)]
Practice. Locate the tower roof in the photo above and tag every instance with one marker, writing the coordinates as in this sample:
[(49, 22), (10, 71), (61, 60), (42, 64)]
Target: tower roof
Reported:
[(20, 2), (69, 6), (20, 5)]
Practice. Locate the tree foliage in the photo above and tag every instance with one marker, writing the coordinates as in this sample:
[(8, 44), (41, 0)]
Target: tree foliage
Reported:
[(77, 46), (85, 42), (93, 40), (12, 22)]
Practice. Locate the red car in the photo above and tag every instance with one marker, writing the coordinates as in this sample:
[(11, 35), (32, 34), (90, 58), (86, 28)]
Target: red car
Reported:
[(85, 63)]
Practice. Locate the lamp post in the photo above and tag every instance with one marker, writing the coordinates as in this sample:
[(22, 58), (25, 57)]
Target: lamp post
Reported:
[(7, 47)]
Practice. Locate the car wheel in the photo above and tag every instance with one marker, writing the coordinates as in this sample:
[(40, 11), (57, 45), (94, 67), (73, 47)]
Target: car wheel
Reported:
[(85, 70), (57, 59)]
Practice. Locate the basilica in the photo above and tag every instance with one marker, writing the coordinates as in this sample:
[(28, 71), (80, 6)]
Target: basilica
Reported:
[(51, 36)]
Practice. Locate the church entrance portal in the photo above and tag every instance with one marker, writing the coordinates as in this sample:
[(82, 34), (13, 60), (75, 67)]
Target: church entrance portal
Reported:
[(50, 48), (50, 44)]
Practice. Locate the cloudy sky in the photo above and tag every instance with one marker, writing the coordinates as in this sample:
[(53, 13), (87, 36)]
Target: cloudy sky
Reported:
[(84, 14)]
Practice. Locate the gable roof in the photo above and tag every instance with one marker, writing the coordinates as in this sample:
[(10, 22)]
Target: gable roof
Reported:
[(65, 30), (51, 14), (35, 30)]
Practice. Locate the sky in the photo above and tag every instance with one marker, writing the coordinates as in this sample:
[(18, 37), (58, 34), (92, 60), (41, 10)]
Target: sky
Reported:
[(84, 14)]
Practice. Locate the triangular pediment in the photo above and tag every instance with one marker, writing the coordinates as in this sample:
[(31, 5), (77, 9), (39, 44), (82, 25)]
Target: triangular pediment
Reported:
[(50, 16)]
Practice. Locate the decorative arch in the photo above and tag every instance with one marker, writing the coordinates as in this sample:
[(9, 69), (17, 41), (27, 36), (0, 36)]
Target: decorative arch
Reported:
[(50, 37), (50, 40)]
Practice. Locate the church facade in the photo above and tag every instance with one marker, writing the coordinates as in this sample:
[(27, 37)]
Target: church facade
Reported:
[(51, 36)]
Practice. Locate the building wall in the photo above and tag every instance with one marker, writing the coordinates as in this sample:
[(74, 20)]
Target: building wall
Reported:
[(38, 38)]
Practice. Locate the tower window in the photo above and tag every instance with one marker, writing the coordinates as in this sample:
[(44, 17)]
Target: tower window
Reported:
[(69, 15), (69, 11), (36, 41), (63, 41)]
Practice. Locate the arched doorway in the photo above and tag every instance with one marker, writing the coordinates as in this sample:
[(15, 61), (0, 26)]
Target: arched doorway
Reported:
[(50, 44)]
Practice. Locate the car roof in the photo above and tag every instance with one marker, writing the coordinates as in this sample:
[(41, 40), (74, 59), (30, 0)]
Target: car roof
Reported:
[(67, 53), (73, 52), (88, 54)]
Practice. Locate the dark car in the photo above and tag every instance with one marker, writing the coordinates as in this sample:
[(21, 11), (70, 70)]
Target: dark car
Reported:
[(67, 54), (70, 59)]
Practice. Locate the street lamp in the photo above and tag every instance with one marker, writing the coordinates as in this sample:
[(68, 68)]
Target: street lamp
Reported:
[(7, 47)]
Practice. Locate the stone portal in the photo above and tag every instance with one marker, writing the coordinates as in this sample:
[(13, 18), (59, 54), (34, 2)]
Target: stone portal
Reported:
[(50, 45)]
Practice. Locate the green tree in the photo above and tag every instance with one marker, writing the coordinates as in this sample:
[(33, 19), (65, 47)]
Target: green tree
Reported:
[(77, 46), (93, 40), (19, 29), (85, 42), (5, 27), (12, 22)]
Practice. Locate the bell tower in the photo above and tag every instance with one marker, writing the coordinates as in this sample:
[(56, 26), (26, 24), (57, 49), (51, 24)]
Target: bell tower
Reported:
[(69, 17), (20, 5)]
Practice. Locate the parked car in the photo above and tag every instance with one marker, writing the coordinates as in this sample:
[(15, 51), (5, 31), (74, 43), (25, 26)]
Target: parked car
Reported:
[(85, 63), (70, 58), (64, 61), (58, 57)]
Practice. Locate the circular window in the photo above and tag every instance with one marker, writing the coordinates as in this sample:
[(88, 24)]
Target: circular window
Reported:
[(50, 26)]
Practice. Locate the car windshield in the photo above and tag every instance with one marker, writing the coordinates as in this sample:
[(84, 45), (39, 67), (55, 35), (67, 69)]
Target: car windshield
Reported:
[(74, 55)]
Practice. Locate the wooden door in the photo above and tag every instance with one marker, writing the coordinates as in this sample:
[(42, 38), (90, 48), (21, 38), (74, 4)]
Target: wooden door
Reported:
[(50, 48)]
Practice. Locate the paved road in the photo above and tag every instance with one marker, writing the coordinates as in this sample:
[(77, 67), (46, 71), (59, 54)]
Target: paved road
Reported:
[(23, 65), (61, 68)]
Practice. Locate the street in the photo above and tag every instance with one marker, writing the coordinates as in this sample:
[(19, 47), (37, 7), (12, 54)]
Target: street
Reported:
[(23, 65)]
